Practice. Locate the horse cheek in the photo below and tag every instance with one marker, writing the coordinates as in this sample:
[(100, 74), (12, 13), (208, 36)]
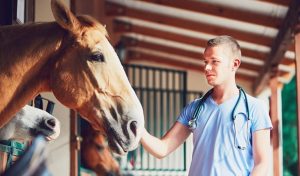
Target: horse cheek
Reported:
[(63, 90)]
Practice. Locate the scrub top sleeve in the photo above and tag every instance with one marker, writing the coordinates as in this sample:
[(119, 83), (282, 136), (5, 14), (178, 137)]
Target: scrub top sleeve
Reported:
[(187, 113), (260, 117)]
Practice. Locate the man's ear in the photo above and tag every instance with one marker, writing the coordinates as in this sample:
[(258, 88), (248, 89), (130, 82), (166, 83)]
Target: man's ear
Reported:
[(236, 64)]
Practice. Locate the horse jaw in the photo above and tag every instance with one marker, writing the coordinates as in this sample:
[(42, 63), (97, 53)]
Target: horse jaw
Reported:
[(123, 128)]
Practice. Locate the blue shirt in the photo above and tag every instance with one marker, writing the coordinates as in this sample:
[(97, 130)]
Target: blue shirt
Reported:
[(216, 138)]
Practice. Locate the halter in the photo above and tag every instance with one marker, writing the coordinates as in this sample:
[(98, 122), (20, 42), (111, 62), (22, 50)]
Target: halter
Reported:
[(12, 149)]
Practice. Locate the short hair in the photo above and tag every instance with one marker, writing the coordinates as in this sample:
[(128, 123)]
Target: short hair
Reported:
[(228, 41)]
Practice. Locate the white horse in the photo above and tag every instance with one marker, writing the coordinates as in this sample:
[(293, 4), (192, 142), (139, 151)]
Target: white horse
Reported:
[(28, 123), (24, 126)]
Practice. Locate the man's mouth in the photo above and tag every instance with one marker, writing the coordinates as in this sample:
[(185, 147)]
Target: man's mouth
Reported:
[(210, 75)]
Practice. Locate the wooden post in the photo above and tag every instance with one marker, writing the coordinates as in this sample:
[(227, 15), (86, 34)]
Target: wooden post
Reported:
[(297, 51), (277, 168), (74, 144)]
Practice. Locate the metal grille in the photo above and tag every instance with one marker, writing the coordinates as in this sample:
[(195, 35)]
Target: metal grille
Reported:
[(163, 94)]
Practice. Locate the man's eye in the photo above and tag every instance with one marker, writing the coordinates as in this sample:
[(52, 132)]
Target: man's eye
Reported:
[(98, 57)]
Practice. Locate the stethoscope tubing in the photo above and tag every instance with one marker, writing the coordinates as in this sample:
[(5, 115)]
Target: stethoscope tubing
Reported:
[(193, 122)]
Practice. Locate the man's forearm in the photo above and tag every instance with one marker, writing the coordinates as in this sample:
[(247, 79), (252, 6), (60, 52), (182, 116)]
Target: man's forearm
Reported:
[(261, 169), (154, 146)]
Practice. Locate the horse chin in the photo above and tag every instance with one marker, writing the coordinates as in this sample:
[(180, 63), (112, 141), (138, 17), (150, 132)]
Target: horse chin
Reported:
[(52, 137), (116, 147)]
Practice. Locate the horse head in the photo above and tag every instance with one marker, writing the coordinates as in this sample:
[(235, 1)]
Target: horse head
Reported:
[(28, 123), (88, 77), (95, 153)]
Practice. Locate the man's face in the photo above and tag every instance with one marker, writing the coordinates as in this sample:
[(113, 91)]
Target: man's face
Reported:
[(218, 65)]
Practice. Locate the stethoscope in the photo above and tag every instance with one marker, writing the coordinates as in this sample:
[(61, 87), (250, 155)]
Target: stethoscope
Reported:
[(193, 121)]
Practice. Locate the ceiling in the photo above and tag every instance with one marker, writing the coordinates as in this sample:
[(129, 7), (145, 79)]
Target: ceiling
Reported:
[(174, 32)]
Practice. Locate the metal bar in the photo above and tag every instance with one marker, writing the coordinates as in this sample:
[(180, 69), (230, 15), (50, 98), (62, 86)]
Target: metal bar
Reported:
[(142, 103), (184, 101), (148, 112), (154, 108), (161, 104)]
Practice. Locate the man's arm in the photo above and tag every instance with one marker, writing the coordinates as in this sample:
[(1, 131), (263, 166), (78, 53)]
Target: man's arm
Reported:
[(168, 143), (261, 152)]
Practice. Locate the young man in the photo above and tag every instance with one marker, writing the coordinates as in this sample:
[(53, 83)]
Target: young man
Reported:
[(231, 129)]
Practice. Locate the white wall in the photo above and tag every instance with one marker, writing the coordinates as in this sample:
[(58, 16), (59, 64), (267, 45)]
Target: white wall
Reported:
[(59, 150), (43, 10), (58, 160)]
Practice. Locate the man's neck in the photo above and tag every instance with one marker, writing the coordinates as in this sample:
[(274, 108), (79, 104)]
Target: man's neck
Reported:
[(224, 92)]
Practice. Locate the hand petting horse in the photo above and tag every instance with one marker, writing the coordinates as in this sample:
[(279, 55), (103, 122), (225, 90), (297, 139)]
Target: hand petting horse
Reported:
[(72, 58), (23, 128)]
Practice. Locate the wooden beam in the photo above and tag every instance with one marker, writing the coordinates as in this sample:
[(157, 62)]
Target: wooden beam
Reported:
[(138, 56), (278, 2), (132, 42), (288, 62), (221, 11), (297, 48), (113, 9), (275, 122), (124, 27), (279, 46)]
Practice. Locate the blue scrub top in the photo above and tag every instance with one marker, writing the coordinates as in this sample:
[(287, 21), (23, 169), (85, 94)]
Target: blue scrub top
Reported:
[(215, 151)]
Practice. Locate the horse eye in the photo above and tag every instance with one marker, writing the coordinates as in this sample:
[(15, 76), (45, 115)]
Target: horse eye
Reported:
[(98, 57)]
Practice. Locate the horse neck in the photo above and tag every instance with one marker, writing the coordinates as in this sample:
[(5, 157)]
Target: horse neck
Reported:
[(26, 59)]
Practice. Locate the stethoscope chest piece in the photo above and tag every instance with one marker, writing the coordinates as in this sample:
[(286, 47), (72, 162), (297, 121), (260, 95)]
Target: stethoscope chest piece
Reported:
[(192, 124)]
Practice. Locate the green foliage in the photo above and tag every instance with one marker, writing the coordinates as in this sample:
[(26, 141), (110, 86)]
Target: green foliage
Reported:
[(289, 129)]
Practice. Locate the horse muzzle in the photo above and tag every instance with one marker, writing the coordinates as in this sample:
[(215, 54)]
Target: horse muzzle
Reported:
[(49, 128)]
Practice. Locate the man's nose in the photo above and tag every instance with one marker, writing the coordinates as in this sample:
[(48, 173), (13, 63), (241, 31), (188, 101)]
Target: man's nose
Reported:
[(207, 67)]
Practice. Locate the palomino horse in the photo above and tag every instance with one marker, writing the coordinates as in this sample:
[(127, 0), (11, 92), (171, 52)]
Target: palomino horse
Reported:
[(95, 153), (24, 126), (72, 58)]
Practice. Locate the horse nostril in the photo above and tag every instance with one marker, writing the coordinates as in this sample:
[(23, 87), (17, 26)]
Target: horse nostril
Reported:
[(50, 123), (133, 127)]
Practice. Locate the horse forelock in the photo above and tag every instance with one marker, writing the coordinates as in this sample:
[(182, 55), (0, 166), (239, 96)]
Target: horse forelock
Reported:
[(90, 22)]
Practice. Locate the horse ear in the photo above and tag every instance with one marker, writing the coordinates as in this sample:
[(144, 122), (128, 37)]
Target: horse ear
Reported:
[(64, 17)]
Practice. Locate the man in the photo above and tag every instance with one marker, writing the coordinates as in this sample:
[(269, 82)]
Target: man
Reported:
[(231, 130)]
